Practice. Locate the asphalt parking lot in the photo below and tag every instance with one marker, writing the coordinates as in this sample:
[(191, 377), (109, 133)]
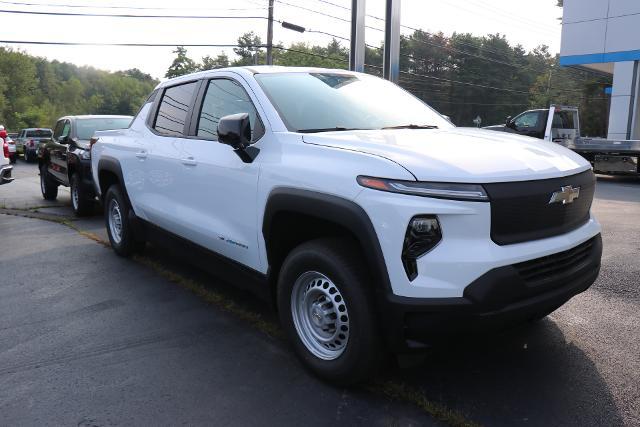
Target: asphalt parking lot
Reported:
[(88, 338)]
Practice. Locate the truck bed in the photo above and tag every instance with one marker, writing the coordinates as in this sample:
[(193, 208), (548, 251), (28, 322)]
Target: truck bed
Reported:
[(609, 156), (600, 145)]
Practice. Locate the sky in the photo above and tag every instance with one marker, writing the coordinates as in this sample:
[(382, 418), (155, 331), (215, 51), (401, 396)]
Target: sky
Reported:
[(526, 22)]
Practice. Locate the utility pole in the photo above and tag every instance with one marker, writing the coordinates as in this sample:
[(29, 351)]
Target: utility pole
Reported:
[(356, 53), (270, 34), (391, 59)]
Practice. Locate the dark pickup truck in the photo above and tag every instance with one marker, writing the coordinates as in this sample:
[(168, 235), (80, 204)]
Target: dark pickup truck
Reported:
[(66, 159)]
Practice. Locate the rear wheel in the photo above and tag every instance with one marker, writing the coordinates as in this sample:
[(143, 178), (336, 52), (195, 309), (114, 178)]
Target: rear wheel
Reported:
[(80, 200), (48, 188), (327, 311), (119, 230)]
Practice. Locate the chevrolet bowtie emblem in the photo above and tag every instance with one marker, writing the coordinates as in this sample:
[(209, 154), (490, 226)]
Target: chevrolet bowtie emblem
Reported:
[(566, 195)]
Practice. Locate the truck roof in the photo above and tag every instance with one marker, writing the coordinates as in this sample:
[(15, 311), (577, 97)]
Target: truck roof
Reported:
[(96, 116), (251, 70)]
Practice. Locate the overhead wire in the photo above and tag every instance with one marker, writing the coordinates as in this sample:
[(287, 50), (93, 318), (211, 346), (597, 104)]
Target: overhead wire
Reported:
[(86, 6)]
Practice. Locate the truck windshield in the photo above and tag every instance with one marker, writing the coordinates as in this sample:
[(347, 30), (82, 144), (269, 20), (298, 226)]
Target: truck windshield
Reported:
[(316, 102), (87, 127)]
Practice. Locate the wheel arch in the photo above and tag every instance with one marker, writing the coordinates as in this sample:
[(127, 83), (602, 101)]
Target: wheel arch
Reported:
[(109, 173), (293, 216)]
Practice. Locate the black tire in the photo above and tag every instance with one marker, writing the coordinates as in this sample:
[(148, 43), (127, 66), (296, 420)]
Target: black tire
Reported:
[(125, 244), (339, 261), (80, 201), (12, 159), (48, 187)]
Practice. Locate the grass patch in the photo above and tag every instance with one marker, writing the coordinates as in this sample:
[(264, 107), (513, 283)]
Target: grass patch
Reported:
[(405, 393), (212, 297)]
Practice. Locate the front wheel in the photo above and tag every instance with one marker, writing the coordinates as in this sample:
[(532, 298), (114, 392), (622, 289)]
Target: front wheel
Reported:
[(119, 230), (48, 188), (326, 308), (80, 200)]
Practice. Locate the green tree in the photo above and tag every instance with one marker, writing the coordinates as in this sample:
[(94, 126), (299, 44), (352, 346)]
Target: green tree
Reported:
[(248, 46), (181, 64), (209, 63), (35, 92)]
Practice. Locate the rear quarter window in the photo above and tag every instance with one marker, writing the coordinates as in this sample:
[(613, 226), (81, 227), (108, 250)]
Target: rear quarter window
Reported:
[(173, 109)]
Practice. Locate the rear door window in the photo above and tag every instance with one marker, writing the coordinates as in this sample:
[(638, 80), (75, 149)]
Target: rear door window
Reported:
[(39, 133), (173, 109)]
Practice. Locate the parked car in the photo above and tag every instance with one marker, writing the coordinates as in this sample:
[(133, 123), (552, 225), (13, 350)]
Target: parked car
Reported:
[(29, 140), (66, 158), (371, 221), (13, 155), (5, 167)]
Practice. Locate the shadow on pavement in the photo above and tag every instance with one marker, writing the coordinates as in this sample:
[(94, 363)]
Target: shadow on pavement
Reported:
[(533, 375)]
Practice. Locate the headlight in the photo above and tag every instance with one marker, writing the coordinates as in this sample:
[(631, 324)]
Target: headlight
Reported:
[(440, 190), (86, 154), (423, 234)]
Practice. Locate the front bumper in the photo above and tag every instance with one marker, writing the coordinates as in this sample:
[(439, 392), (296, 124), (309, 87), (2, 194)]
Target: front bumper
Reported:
[(5, 174), (503, 297)]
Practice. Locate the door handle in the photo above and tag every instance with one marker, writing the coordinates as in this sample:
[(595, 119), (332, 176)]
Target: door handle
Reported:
[(141, 154), (189, 161)]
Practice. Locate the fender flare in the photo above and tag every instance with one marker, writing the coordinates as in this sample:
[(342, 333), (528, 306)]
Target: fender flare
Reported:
[(335, 209), (111, 164)]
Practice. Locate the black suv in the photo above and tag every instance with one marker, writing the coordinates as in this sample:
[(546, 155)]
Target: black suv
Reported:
[(66, 159)]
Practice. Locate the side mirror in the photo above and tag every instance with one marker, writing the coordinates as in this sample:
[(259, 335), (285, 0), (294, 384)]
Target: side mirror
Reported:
[(235, 130), (507, 122), (64, 140)]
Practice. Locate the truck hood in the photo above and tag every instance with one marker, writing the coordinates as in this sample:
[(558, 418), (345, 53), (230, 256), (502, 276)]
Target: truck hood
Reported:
[(460, 154)]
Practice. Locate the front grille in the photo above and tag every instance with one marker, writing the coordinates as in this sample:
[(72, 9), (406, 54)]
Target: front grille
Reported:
[(553, 267), (521, 212)]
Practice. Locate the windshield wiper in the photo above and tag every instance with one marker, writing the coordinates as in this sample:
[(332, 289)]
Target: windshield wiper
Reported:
[(334, 129), (411, 126)]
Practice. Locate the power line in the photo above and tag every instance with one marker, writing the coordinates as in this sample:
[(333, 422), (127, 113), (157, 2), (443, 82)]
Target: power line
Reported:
[(86, 6), (32, 42), (463, 83), (124, 15), (424, 42), (311, 54)]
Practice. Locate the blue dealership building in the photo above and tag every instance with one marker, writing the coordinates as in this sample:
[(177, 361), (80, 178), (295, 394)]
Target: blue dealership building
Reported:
[(604, 35)]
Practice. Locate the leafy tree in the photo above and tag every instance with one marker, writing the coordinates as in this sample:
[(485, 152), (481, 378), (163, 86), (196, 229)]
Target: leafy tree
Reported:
[(209, 63), (181, 64), (248, 45), (35, 92)]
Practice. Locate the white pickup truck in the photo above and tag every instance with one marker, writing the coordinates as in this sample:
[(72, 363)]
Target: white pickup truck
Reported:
[(371, 222), (561, 124)]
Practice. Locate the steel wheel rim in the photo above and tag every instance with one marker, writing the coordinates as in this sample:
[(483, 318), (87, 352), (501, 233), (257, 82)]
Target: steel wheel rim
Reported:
[(320, 315), (74, 196), (115, 221)]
